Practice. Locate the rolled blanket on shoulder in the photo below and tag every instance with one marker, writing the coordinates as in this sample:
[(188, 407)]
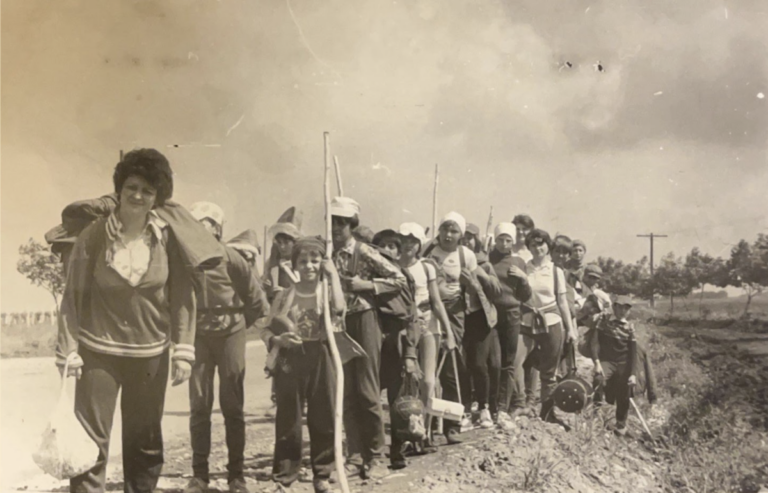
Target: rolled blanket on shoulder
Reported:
[(197, 247)]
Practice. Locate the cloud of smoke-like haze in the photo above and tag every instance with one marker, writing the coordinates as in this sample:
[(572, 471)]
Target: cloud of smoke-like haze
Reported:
[(505, 96)]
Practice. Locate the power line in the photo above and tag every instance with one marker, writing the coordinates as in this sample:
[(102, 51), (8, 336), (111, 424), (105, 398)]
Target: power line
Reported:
[(652, 236)]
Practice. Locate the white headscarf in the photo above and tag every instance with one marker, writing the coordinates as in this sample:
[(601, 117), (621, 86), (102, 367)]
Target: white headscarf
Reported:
[(506, 229), (456, 218)]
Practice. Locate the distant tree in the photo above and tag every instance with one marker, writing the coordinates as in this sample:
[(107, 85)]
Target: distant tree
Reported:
[(748, 268), (621, 278), (703, 269), (42, 268), (671, 278)]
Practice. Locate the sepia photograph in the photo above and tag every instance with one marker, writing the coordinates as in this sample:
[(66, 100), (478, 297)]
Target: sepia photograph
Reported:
[(423, 246)]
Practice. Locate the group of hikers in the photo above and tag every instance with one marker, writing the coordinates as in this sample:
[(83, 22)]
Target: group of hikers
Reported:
[(152, 289)]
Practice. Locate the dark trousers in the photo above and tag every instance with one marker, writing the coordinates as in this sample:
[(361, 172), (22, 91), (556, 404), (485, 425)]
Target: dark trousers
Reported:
[(363, 421), (616, 388), (311, 377), (508, 328), (392, 381), (227, 353), (143, 382), (481, 345), (455, 310), (549, 346)]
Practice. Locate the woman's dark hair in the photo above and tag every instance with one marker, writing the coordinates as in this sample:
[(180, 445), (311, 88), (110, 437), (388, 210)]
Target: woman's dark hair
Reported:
[(562, 242), (538, 234), (388, 235), (523, 221), (150, 165)]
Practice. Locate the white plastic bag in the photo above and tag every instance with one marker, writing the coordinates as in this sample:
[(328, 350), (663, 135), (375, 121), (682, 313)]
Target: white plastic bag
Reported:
[(65, 449)]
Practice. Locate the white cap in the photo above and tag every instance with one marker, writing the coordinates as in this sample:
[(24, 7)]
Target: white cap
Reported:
[(344, 207), (456, 218), (207, 210), (506, 229), (415, 230)]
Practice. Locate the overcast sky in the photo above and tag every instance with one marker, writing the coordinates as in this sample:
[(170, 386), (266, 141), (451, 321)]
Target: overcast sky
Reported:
[(672, 137)]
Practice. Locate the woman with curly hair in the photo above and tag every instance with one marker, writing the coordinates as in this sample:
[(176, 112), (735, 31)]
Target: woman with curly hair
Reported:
[(128, 299)]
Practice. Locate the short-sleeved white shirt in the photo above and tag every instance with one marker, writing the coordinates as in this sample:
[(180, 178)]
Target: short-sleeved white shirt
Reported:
[(451, 264), (421, 280), (542, 284)]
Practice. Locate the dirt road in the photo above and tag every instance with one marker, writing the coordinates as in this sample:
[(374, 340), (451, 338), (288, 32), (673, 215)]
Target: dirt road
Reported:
[(29, 388)]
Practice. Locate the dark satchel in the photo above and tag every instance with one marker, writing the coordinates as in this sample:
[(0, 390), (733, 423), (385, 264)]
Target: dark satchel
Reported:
[(572, 394)]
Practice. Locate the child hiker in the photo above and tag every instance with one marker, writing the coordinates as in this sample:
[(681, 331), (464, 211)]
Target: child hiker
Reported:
[(229, 300), (305, 368), (430, 307), (614, 353), (515, 290), (365, 274)]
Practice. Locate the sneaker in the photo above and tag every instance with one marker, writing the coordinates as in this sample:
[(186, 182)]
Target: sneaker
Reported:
[(353, 470), (519, 412), (237, 485), (504, 421), (321, 485), (466, 423), (374, 471), (196, 485), (485, 419), (453, 436)]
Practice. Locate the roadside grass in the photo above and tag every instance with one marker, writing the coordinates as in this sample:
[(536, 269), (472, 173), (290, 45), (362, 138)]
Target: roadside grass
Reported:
[(20, 341), (712, 425)]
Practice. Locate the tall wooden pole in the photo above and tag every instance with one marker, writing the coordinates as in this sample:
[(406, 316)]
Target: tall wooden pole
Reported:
[(434, 201), (338, 176), (652, 236), (339, 401)]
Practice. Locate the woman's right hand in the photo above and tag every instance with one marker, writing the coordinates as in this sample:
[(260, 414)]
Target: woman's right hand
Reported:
[(289, 340), (71, 372)]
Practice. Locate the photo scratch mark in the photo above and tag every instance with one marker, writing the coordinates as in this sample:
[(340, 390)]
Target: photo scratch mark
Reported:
[(237, 124), (306, 43)]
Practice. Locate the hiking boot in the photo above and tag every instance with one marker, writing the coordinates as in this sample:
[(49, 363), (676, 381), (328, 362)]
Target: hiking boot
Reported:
[(486, 421), (374, 471), (466, 423), (621, 430), (196, 485), (321, 485), (504, 421), (238, 485), (453, 436)]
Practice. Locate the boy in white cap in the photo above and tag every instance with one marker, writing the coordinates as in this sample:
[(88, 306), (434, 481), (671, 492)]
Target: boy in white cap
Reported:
[(229, 300), (515, 290), (364, 273), (463, 293)]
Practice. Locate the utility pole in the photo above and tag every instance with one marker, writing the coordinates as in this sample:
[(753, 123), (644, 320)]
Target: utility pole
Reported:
[(652, 236)]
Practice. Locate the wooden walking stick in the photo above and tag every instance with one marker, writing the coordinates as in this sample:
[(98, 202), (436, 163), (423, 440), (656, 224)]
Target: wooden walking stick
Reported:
[(489, 231), (264, 254), (339, 401), (434, 201), (338, 176)]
